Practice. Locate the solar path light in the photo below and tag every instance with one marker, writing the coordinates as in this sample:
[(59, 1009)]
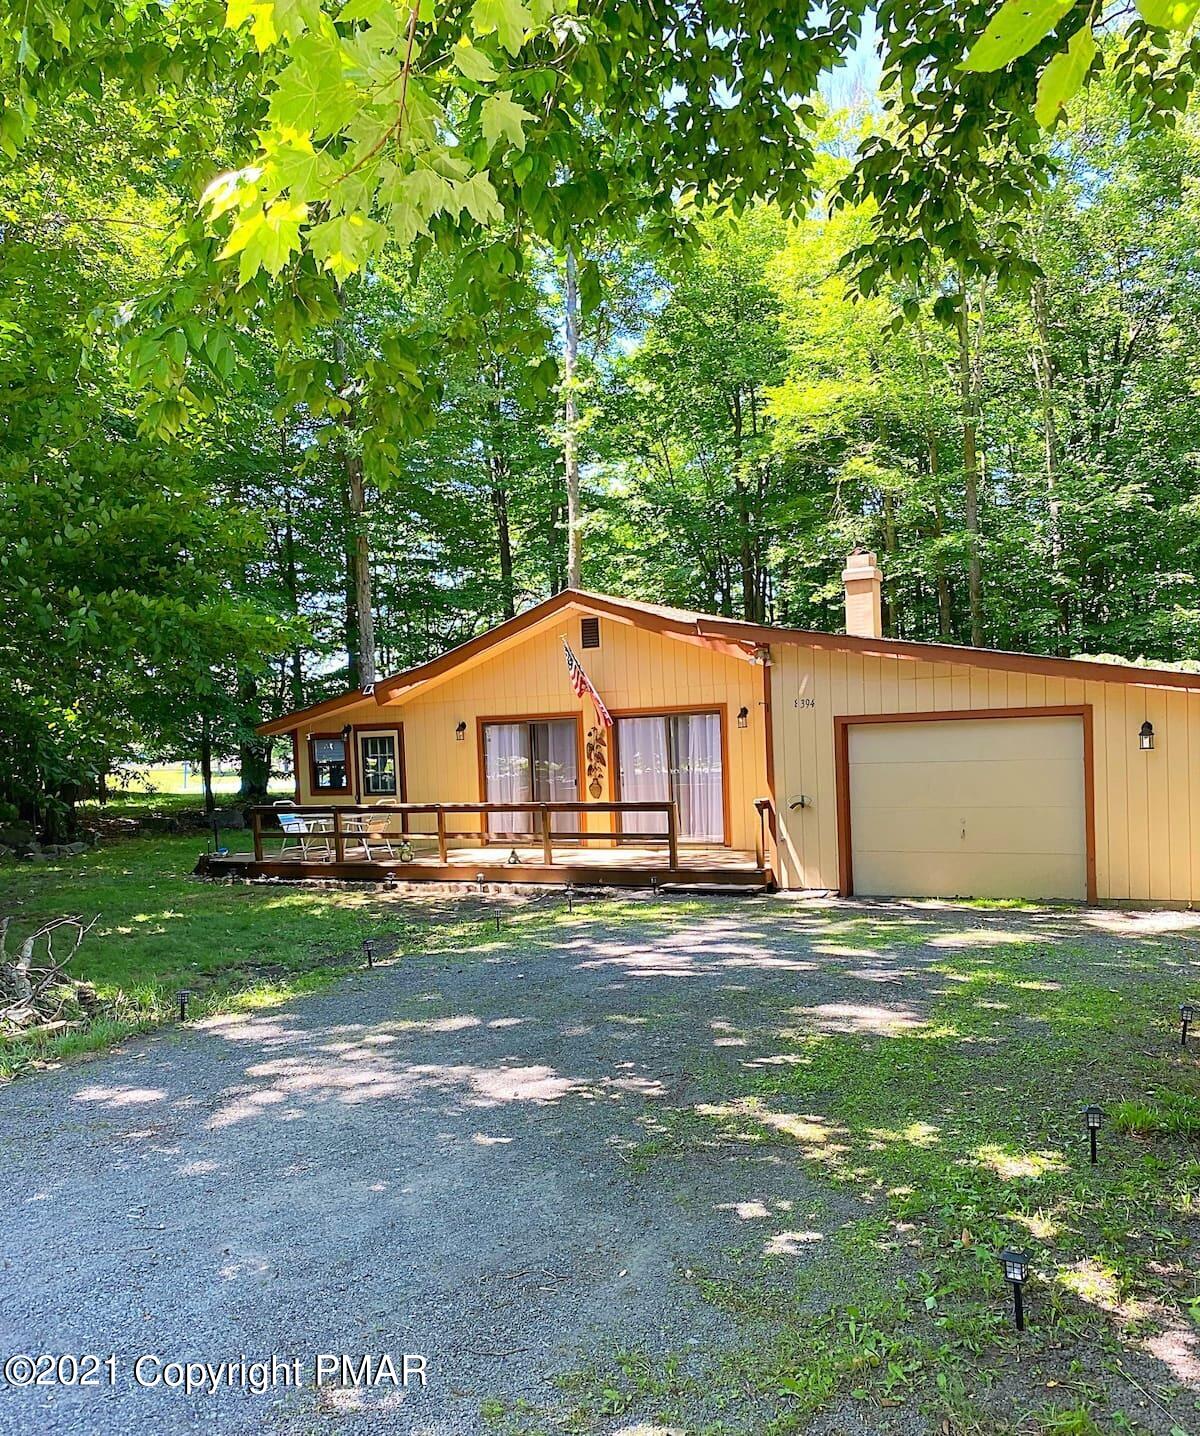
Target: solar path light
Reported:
[(1016, 1269), (1093, 1116)]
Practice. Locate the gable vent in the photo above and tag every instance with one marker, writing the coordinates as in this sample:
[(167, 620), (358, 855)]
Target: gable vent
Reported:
[(589, 633)]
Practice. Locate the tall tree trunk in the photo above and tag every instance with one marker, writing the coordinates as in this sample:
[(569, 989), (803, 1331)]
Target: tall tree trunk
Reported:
[(254, 753), (361, 571), (571, 424), (498, 476), (968, 381), (360, 615), (291, 586), (1046, 378), (508, 594), (891, 605), (206, 757)]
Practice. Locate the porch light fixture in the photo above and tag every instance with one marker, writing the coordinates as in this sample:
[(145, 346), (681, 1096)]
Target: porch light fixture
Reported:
[(1093, 1116), (1186, 1013), (346, 731), (460, 733), (1146, 736), (743, 717), (369, 951), (1016, 1269), (184, 994)]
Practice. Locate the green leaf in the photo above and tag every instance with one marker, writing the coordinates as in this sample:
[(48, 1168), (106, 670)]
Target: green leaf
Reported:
[(1168, 14), (1013, 31), (1064, 75), (479, 199), (473, 63), (501, 118), (508, 18), (343, 245)]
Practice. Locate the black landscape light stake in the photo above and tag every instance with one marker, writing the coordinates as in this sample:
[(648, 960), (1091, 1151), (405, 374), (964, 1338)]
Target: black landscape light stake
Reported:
[(369, 951), (654, 883), (1016, 1268), (571, 897), (497, 917), (1093, 1116), (1186, 1012), (184, 994)]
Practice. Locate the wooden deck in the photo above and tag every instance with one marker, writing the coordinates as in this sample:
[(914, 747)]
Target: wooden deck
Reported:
[(584, 866), (427, 842)]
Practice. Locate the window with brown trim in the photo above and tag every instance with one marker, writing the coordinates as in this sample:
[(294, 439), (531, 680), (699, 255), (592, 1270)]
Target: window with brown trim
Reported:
[(328, 763)]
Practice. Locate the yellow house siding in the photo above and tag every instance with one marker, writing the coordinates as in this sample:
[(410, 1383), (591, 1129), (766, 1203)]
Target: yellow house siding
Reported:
[(632, 669), (1147, 829)]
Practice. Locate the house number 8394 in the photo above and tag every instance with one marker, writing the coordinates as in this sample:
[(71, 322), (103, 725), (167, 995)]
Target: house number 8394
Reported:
[(805, 702)]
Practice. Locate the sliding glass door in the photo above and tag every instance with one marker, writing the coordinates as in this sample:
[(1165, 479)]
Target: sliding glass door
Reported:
[(531, 762), (673, 756)]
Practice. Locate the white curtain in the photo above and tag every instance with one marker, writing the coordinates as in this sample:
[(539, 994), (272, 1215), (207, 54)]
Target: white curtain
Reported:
[(556, 760), (696, 776), (509, 774), (645, 773)]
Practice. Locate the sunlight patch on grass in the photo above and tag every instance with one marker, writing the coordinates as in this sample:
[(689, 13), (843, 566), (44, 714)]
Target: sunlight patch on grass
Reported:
[(1013, 1165)]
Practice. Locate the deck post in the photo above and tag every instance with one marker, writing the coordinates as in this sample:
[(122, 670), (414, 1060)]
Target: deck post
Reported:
[(256, 829), (672, 836), (547, 846), (339, 838), (441, 835)]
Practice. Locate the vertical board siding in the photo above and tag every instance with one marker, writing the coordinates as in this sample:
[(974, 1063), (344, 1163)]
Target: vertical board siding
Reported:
[(1147, 826), (632, 668)]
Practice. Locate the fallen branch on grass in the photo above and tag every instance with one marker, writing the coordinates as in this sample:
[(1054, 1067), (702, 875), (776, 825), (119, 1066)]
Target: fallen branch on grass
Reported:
[(31, 990)]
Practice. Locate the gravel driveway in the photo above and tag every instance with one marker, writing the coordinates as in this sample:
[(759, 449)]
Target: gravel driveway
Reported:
[(431, 1159)]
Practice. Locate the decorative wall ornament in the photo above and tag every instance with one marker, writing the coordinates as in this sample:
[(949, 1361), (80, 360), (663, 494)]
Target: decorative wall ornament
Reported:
[(597, 760)]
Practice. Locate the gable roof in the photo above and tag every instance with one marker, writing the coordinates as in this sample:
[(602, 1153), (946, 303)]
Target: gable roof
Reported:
[(730, 635)]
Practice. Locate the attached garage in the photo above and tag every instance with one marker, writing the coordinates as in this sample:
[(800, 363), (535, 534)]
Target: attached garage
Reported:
[(975, 804)]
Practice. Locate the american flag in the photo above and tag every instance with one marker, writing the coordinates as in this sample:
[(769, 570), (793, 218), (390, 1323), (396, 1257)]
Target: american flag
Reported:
[(582, 684)]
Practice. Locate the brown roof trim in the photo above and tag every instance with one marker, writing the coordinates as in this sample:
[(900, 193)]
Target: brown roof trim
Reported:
[(684, 623), (317, 710)]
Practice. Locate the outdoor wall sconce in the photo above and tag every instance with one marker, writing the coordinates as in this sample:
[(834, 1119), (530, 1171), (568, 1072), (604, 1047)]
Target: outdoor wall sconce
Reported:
[(1186, 1013), (1016, 1269), (743, 717), (460, 733), (346, 731), (1093, 1116), (1146, 736)]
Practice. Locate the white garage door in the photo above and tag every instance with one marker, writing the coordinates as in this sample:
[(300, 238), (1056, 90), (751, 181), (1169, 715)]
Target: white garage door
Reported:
[(981, 807)]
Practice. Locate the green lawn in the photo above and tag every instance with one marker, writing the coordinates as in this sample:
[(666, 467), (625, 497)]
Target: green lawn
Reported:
[(160, 929)]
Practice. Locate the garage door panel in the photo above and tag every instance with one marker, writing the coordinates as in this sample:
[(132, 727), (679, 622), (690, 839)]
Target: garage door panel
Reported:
[(946, 875), (979, 830), (990, 807), (925, 784), (951, 739)]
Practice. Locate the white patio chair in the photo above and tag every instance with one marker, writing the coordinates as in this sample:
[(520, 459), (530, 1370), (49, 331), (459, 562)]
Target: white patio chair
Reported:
[(372, 830), (307, 836)]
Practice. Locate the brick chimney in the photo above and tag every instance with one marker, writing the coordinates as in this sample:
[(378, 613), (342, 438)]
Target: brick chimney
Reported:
[(864, 584)]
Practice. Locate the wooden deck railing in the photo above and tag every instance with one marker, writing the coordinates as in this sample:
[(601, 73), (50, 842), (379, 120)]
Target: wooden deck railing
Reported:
[(542, 814)]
